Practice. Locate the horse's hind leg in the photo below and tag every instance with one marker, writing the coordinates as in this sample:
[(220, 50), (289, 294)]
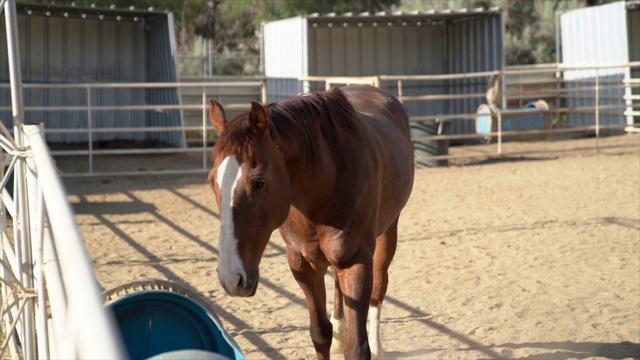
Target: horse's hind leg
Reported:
[(382, 256), (339, 342)]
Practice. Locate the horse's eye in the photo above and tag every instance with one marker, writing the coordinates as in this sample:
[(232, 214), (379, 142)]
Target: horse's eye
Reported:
[(258, 184)]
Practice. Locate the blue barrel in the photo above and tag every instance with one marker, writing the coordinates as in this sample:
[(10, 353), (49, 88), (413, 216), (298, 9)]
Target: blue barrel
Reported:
[(162, 324), (517, 120)]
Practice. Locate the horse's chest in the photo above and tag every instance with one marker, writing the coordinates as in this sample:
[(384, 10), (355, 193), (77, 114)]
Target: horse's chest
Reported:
[(304, 242)]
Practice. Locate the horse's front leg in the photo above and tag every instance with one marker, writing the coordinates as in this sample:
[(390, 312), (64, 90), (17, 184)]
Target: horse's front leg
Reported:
[(355, 278), (311, 282)]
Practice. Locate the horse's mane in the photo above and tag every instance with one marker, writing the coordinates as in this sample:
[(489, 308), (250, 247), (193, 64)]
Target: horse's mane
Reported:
[(303, 121), (307, 119)]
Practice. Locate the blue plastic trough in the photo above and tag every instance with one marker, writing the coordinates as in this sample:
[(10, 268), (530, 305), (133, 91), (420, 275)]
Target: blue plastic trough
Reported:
[(159, 324), (513, 120)]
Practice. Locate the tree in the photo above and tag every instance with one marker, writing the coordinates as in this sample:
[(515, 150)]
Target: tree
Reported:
[(530, 25), (297, 7)]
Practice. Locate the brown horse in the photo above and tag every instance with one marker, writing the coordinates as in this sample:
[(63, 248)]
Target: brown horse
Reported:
[(332, 170)]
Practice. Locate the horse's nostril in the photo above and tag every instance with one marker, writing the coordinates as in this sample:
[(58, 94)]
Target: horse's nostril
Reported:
[(240, 280)]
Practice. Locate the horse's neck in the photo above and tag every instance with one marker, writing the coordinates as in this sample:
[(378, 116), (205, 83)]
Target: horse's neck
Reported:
[(309, 181), (309, 156)]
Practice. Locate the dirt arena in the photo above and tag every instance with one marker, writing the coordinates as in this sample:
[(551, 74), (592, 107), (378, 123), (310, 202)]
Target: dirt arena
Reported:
[(528, 257)]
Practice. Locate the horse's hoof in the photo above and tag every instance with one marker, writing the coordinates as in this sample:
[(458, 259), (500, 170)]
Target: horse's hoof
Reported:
[(339, 342), (377, 352)]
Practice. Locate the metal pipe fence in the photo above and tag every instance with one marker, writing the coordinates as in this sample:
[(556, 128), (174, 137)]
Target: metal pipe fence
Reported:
[(45, 266), (195, 127), (557, 87), (201, 134)]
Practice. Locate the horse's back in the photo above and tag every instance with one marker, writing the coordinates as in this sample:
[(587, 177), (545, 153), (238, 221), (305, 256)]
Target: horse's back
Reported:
[(379, 104), (384, 115)]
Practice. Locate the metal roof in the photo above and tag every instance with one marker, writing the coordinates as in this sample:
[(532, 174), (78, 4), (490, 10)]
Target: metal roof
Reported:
[(402, 18), (87, 12), (633, 4)]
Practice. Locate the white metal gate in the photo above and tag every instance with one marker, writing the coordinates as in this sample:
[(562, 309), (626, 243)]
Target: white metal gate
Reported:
[(52, 305)]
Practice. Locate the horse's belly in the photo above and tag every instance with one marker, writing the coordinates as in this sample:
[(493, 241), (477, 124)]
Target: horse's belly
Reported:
[(392, 201)]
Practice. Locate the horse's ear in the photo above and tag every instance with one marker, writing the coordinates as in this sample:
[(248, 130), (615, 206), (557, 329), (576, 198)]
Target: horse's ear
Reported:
[(258, 117), (216, 116)]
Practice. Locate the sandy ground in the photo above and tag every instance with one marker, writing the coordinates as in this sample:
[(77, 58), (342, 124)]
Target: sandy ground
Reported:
[(528, 257)]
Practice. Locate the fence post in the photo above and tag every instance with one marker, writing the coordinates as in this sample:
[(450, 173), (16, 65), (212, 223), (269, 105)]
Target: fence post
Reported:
[(499, 131), (597, 110), (263, 92), (204, 128), (36, 211), (21, 227)]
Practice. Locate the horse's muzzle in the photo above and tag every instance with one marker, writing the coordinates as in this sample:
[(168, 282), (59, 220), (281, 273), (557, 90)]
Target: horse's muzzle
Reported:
[(244, 287)]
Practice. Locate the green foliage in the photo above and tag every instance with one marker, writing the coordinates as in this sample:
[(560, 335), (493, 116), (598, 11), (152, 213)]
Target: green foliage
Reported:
[(299, 7), (530, 25)]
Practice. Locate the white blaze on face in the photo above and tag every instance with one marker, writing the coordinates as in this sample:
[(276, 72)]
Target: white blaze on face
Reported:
[(229, 266)]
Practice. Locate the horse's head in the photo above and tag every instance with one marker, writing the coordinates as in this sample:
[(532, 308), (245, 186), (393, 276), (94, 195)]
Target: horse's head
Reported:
[(252, 191)]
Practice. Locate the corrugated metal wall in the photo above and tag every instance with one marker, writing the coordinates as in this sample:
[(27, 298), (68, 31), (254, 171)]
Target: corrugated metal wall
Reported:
[(162, 68), (376, 48), (352, 50), (396, 45), (56, 49), (285, 41), (473, 45), (279, 89), (595, 35)]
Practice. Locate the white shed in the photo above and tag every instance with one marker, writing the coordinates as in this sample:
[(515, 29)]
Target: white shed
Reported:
[(601, 35), (416, 43), (62, 44)]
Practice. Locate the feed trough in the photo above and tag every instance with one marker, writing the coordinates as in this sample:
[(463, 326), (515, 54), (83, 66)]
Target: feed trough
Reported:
[(161, 320)]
